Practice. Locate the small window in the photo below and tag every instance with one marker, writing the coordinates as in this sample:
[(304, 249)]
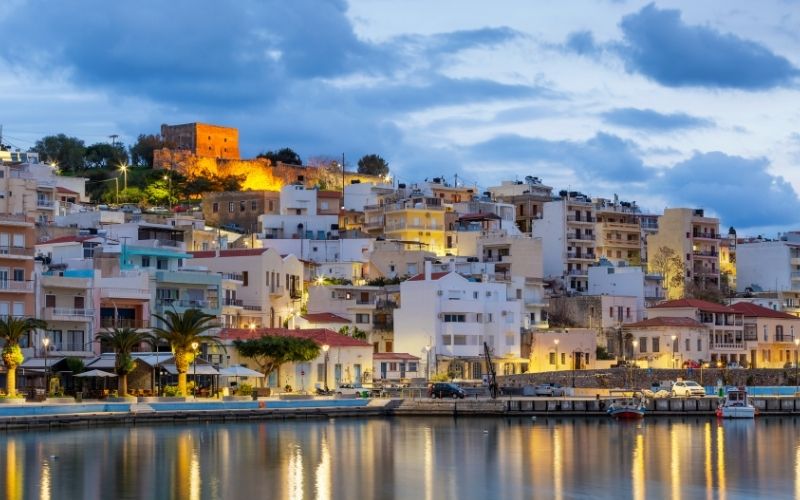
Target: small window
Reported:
[(656, 347), (244, 278), (688, 345), (552, 358), (231, 207), (699, 344), (145, 261), (642, 344), (215, 207), (362, 319), (254, 205)]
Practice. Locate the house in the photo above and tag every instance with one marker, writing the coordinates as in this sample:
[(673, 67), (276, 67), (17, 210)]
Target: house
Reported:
[(667, 342), (555, 350), (396, 367), (776, 333)]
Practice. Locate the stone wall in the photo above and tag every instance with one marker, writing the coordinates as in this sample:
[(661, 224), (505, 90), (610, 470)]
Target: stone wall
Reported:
[(645, 378)]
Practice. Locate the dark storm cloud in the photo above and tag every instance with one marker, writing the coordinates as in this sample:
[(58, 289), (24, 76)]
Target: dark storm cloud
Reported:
[(650, 120)]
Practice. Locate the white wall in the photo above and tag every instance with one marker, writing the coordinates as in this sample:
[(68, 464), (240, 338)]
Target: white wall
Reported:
[(357, 196), (347, 250), (625, 281), (552, 230), (766, 264)]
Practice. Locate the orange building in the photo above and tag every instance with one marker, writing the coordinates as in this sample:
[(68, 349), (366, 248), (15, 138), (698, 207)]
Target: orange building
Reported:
[(202, 139), (17, 241)]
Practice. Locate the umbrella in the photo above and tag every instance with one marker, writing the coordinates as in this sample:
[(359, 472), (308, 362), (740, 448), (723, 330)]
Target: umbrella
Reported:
[(239, 371), (96, 373)]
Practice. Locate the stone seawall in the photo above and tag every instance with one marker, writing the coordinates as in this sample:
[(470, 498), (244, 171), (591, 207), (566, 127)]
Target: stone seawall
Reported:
[(646, 378)]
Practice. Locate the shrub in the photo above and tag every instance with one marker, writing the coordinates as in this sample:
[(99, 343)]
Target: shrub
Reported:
[(245, 389), (172, 391)]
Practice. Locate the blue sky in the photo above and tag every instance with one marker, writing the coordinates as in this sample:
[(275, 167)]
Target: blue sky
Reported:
[(665, 103)]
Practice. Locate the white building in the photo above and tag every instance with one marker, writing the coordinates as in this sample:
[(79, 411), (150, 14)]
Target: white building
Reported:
[(453, 317), (629, 281), (303, 214), (360, 194)]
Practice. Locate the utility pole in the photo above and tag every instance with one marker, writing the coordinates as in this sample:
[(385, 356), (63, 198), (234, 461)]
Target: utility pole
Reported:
[(113, 138)]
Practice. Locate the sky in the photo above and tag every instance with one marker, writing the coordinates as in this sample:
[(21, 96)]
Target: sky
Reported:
[(670, 104)]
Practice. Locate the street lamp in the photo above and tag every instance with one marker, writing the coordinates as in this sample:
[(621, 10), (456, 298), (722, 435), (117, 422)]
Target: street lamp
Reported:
[(195, 345), (556, 341), (427, 350), (45, 343), (674, 349), (635, 344), (325, 349), (124, 169), (796, 383), (168, 178)]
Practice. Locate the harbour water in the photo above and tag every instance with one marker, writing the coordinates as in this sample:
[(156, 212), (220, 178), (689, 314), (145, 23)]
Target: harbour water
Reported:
[(416, 458)]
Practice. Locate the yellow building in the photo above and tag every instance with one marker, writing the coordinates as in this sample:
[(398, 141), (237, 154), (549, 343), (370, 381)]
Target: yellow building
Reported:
[(618, 232), (417, 219)]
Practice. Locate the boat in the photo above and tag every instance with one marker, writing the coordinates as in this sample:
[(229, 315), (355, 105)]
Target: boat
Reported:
[(627, 405), (736, 404)]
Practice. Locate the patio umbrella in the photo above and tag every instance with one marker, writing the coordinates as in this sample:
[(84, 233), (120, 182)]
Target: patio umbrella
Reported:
[(239, 371), (96, 373)]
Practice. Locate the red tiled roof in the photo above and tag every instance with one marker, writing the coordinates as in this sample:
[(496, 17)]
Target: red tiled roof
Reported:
[(324, 318), (665, 321), (233, 252), (65, 190), (702, 305), (755, 311), (394, 355), (68, 239), (319, 335), (434, 276)]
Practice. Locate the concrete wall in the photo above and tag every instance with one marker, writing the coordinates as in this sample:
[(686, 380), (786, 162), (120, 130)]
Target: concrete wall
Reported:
[(765, 264)]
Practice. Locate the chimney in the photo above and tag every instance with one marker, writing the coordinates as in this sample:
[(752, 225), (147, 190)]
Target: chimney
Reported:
[(428, 270)]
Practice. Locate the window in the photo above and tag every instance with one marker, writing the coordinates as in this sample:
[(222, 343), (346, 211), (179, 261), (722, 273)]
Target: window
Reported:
[(563, 358), (49, 300), (253, 205), (510, 339), (411, 366), (244, 278), (162, 264), (479, 318), (19, 275), (611, 312), (145, 261), (655, 344), (241, 206), (552, 358), (215, 207), (642, 344), (231, 206), (447, 339), (459, 340), (455, 318), (323, 205), (778, 331), (393, 366), (270, 206), (688, 345), (628, 312), (362, 318), (699, 344), (509, 317), (320, 372), (475, 295)]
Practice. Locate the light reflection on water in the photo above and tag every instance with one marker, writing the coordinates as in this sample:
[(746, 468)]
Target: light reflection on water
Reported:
[(432, 458)]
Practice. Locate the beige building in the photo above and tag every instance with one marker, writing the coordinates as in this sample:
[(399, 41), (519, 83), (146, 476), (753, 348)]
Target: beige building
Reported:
[(667, 342), (571, 349), (391, 259), (695, 239), (418, 219), (17, 241), (774, 331), (619, 237), (241, 208), (528, 199)]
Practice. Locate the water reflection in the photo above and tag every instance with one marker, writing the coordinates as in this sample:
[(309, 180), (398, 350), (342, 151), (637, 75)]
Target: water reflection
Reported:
[(409, 458)]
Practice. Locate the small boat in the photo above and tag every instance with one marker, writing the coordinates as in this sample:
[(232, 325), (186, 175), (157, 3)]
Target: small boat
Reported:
[(736, 405), (628, 405)]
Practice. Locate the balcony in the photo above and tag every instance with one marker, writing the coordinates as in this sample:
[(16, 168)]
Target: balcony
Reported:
[(233, 276), (705, 253), (15, 252), (44, 203), (577, 272), (72, 347), (67, 314), (251, 307), (16, 286), (705, 236), (583, 256), (232, 302), (734, 346), (385, 304), (795, 275), (188, 304), (580, 237), (125, 293), (124, 323), (582, 219)]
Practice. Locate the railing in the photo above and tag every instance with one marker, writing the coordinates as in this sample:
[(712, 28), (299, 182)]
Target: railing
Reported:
[(233, 276), (580, 237), (251, 307), (577, 272), (364, 302), (44, 203), (189, 303), (71, 346), (753, 337), (21, 286), (708, 236), (727, 345), (795, 274), (114, 292), (704, 253), (124, 323), (63, 311), (386, 304), (573, 255), (7, 250), (232, 302), (572, 218)]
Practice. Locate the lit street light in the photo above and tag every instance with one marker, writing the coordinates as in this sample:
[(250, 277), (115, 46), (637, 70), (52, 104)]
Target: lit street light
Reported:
[(674, 349), (46, 342), (195, 345), (427, 350), (124, 169), (325, 349), (555, 341), (796, 384)]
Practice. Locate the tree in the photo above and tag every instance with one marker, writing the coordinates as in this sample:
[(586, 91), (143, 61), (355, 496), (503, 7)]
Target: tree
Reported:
[(142, 149), (102, 155), (12, 330), (67, 152), (373, 165), (670, 266), (271, 351), (180, 331), (284, 155), (356, 332), (123, 341)]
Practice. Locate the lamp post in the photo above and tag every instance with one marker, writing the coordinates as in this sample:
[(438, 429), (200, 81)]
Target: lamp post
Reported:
[(325, 349), (168, 178), (124, 169), (46, 343), (674, 349), (427, 350), (635, 344), (195, 345), (796, 383), (556, 341)]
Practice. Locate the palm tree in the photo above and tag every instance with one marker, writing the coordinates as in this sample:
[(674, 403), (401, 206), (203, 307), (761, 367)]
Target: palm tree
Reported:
[(123, 341), (181, 330), (12, 329)]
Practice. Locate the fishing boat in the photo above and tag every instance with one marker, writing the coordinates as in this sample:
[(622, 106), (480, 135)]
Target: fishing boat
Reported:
[(626, 404), (736, 405)]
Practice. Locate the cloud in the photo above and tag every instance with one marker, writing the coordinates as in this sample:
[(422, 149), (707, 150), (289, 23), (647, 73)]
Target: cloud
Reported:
[(604, 157), (650, 120), (740, 190), (660, 46), (581, 43)]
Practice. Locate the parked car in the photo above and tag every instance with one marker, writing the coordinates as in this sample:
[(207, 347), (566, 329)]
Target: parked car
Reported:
[(130, 208), (687, 388), (158, 210), (232, 226), (446, 390), (552, 390), (352, 390)]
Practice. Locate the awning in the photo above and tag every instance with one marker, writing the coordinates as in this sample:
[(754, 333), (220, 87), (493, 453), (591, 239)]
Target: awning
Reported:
[(239, 371), (105, 361), (39, 363), (96, 373), (151, 359), (201, 369)]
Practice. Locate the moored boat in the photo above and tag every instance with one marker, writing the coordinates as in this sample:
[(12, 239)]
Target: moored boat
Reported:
[(629, 405), (736, 405)]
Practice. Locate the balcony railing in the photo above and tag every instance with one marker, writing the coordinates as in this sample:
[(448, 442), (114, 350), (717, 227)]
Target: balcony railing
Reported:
[(233, 276), (386, 304), (727, 345), (251, 307), (708, 236), (572, 218), (63, 311), (17, 286), (124, 323), (7, 250), (233, 302), (72, 346), (580, 237), (705, 253), (587, 256)]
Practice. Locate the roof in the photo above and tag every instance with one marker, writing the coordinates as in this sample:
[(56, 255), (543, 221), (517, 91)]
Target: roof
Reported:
[(665, 321), (68, 239), (232, 252), (325, 317), (702, 305), (394, 355), (479, 216), (434, 276), (65, 190), (329, 194), (751, 310), (321, 336)]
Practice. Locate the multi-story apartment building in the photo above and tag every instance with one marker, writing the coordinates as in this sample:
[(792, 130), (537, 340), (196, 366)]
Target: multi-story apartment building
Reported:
[(726, 341), (629, 281), (392, 259), (34, 189), (239, 208), (271, 290), (446, 318), (419, 219), (619, 237), (694, 238), (606, 315), (17, 241), (528, 199), (303, 213), (567, 230), (774, 333)]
